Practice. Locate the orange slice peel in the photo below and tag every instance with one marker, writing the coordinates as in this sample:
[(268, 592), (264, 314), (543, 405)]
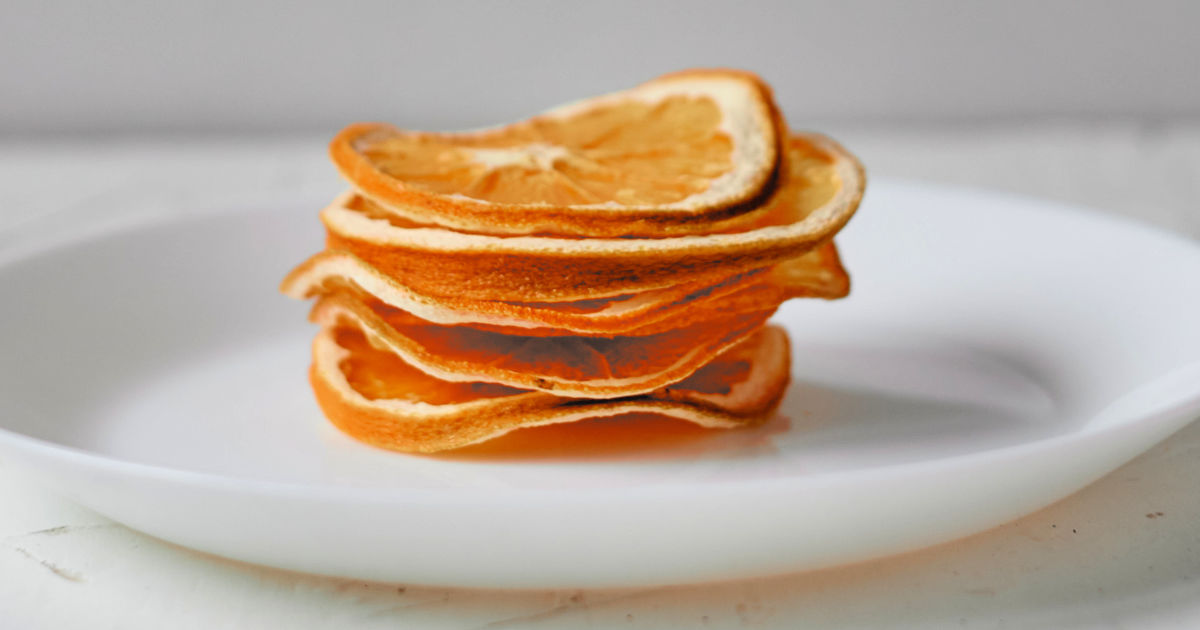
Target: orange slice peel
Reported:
[(675, 153), (586, 367), (820, 188), (377, 398), (818, 273)]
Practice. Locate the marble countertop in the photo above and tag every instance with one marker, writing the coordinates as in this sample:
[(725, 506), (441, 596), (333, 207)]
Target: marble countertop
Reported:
[(1124, 552)]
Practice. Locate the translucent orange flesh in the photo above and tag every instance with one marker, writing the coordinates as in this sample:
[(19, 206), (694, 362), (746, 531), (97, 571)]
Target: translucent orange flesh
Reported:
[(630, 153), (633, 435), (809, 182), (576, 358), (380, 375), (717, 377), (818, 273)]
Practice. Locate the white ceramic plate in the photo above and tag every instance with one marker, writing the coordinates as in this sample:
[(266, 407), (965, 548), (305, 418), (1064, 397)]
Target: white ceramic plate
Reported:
[(996, 355)]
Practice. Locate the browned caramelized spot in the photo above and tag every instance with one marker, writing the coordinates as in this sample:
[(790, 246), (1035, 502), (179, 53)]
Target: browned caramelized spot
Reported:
[(630, 153), (577, 306), (378, 374)]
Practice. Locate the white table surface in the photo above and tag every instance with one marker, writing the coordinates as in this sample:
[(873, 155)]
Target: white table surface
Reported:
[(1123, 553)]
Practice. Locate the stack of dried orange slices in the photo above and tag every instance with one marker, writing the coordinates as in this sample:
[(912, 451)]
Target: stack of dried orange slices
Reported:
[(618, 254)]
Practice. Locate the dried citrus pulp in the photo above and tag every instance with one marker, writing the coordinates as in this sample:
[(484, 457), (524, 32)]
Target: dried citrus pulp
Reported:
[(615, 255)]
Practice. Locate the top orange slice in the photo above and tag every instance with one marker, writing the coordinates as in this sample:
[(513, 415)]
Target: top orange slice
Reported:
[(670, 156)]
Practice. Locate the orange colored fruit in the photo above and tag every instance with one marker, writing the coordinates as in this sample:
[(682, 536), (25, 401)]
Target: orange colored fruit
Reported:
[(673, 154), (375, 397)]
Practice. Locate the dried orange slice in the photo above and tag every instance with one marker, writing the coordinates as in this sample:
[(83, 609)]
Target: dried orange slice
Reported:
[(331, 271), (671, 155), (818, 273), (589, 367), (820, 187), (375, 397)]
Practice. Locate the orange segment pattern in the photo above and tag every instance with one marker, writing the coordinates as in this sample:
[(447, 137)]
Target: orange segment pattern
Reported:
[(630, 154)]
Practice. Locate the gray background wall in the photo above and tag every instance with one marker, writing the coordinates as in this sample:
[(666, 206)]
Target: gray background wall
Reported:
[(281, 66)]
